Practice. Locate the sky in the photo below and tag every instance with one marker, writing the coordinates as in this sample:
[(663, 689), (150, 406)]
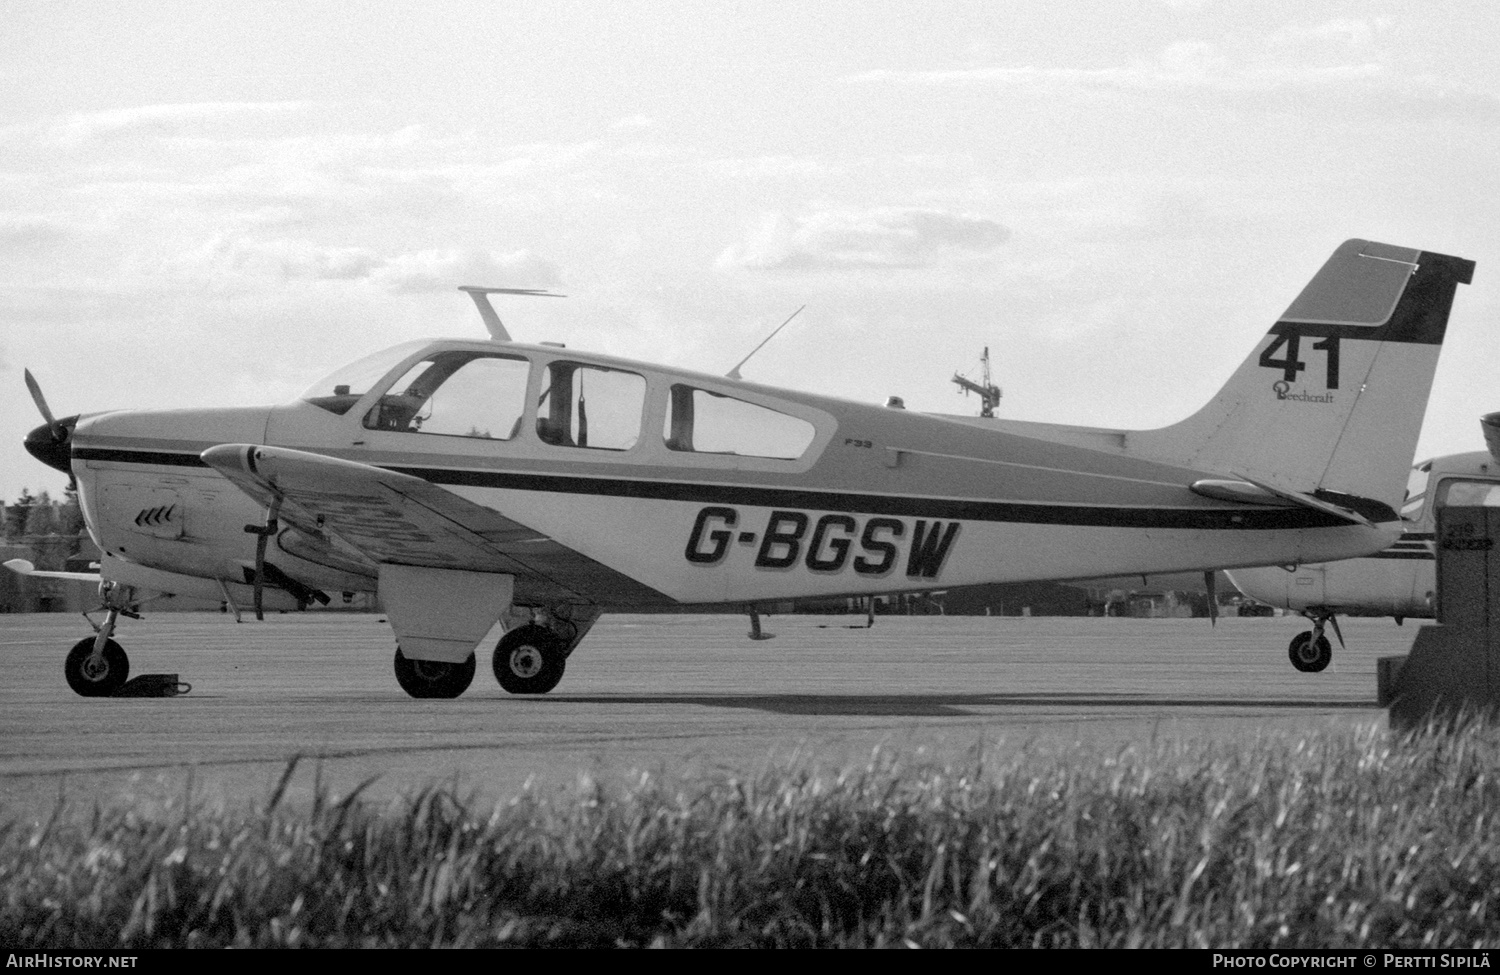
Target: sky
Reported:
[(216, 203)]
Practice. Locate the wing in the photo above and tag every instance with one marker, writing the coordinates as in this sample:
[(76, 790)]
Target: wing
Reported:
[(398, 519)]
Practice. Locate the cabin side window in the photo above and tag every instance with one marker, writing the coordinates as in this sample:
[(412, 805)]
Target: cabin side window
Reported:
[(590, 407), (1458, 492), (704, 422), (478, 395)]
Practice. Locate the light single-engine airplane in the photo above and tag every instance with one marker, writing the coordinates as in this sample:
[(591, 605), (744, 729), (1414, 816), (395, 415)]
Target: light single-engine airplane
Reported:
[(1400, 581), (469, 483)]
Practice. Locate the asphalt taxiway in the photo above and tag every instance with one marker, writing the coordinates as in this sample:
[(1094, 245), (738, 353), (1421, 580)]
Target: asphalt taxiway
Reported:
[(661, 695)]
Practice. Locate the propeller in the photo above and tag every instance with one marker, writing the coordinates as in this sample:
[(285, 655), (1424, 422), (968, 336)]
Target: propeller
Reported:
[(38, 398), (52, 442)]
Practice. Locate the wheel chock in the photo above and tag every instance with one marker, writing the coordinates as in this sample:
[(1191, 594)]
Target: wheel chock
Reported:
[(153, 685)]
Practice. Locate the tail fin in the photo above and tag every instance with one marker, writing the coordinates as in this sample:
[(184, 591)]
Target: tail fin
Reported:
[(1331, 400)]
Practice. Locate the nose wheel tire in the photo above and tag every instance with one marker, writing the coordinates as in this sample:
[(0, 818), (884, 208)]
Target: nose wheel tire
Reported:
[(1310, 653), (96, 676), (529, 660), (433, 678)]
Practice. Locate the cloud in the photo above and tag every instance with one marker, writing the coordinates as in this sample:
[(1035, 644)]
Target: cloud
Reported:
[(1338, 33), (21, 233), (278, 259), (1335, 59), (414, 272), (878, 238), (1335, 63), (1186, 65), (774, 167), (443, 270), (157, 119)]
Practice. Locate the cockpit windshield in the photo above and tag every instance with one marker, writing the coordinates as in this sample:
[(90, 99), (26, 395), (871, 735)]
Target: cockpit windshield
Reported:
[(338, 392)]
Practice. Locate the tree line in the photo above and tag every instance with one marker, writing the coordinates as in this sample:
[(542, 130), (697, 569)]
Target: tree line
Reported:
[(41, 514)]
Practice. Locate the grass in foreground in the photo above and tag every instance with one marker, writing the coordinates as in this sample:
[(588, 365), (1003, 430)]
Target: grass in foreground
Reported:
[(1346, 839)]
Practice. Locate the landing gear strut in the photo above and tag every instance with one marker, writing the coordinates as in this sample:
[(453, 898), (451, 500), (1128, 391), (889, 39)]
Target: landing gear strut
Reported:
[(1311, 652), (531, 657), (97, 666)]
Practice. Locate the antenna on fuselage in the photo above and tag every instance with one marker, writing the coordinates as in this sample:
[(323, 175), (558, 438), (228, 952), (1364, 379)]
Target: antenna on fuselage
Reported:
[(487, 311), (735, 372)]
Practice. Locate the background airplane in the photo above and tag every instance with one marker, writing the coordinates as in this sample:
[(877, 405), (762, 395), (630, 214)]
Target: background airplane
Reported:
[(472, 484), (1400, 581)]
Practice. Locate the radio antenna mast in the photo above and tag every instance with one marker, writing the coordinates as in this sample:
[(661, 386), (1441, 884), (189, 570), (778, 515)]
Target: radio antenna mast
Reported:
[(735, 372)]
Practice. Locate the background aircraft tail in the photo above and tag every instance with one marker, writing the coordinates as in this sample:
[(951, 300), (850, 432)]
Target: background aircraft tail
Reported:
[(1331, 401)]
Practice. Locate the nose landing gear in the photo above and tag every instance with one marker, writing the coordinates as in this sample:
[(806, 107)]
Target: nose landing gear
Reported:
[(97, 666)]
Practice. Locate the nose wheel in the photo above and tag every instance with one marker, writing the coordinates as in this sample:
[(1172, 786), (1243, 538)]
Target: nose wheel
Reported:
[(97, 672)]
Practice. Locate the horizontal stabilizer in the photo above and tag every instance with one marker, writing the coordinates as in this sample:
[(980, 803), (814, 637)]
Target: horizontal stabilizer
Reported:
[(1249, 491), (1323, 501), (1242, 491), (25, 568)]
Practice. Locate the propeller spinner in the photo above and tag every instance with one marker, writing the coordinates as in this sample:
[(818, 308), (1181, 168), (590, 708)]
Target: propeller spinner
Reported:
[(52, 442)]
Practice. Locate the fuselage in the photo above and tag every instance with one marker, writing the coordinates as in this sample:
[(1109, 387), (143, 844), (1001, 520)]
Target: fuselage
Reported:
[(698, 488), (1399, 581)]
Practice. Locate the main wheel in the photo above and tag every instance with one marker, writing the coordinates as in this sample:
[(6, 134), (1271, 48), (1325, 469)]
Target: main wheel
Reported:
[(529, 660), (98, 676), (433, 678), (1309, 655)]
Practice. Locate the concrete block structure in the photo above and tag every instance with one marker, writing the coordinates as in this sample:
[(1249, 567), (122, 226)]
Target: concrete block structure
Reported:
[(1454, 666)]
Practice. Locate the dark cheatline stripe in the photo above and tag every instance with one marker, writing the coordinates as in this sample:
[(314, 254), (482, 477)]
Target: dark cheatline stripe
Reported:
[(1088, 516), (160, 458), (1404, 554), (998, 511)]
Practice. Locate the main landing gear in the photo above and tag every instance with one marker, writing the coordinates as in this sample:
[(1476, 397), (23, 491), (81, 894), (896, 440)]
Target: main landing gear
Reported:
[(529, 659), (1311, 652), (433, 678)]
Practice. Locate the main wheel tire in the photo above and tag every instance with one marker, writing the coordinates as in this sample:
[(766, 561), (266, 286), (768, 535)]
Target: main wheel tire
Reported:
[(529, 660), (1309, 655), (98, 676), (433, 678)]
